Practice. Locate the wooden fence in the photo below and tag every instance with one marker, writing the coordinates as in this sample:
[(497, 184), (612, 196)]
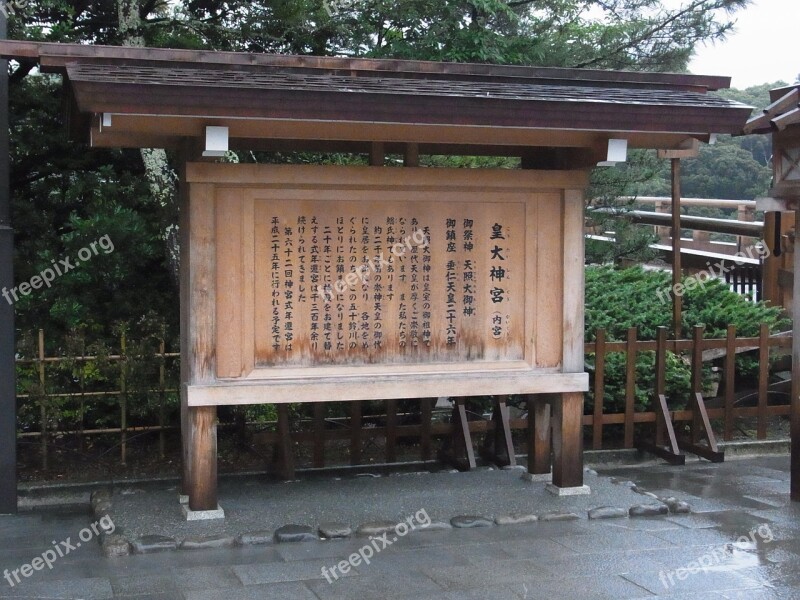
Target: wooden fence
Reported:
[(420, 421)]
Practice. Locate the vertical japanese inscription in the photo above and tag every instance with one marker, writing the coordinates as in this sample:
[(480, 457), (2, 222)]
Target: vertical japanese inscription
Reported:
[(359, 283)]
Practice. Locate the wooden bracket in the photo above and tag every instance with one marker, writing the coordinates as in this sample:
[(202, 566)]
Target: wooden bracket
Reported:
[(498, 446), (460, 452), (710, 451), (671, 452)]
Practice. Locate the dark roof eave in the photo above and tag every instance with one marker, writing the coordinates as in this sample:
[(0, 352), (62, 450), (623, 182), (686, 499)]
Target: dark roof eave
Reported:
[(394, 108)]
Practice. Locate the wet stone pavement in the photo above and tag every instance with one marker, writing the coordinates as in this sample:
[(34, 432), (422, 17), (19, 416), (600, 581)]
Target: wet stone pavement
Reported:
[(742, 540)]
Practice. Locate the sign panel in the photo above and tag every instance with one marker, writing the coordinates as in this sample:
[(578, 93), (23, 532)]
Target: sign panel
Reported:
[(321, 274)]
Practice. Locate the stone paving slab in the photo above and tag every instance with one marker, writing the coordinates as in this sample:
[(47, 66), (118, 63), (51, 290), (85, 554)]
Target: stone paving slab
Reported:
[(258, 506), (620, 559)]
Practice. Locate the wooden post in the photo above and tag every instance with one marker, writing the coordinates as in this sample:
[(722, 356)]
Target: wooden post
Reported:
[(320, 409), (162, 387), (198, 359), (411, 157), (8, 391), (730, 377), (763, 381), (426, 416), (795, 445), (568, 441), (377, 154), (43, 404), (355, 433), (599, 388), (123, 400), (676, 246), (630, 385), (661, 386), (539, 443), (202, 458), (391, 431)]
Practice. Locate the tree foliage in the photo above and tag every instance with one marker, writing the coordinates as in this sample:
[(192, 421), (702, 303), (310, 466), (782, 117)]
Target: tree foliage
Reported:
[(64, 194)]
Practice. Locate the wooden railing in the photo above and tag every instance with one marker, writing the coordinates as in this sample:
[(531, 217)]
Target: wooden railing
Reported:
[(419, 421)]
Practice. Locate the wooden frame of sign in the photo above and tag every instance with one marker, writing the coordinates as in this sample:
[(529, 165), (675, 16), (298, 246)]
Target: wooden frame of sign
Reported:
[(322, 283)]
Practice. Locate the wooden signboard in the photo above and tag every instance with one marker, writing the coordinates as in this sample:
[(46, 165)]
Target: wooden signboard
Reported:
[(312, 283)]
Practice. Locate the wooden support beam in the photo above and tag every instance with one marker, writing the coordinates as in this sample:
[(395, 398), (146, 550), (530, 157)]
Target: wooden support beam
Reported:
[(539, 440), (411, 155), (498, 444), (202, 459), (676, 246), (568, 441), (377, 154), (460, 452)]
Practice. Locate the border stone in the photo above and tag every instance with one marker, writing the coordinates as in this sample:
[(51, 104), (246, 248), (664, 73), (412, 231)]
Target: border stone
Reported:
[(376, 528), (335, 531), (516, 519), (648, 510), (608, 512), (470, 522), (292, 534), (256, 538), (149, 544), (115, 546), (207, 542), (436, 526), (558, 516), (677, 507)]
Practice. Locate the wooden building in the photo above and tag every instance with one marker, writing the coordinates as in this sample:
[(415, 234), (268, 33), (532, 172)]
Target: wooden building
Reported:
[(329, 283), (782, 119)]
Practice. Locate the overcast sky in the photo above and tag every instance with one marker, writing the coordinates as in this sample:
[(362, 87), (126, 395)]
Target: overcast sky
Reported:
[(762, 49)]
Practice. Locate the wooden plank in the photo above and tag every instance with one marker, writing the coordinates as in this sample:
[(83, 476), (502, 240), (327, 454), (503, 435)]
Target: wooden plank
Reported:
[(230, 284), (412, 385), (730, 382), (599, 388), (573, 298), (548, 310), (568, 441), (630, 385), (763, 381)]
